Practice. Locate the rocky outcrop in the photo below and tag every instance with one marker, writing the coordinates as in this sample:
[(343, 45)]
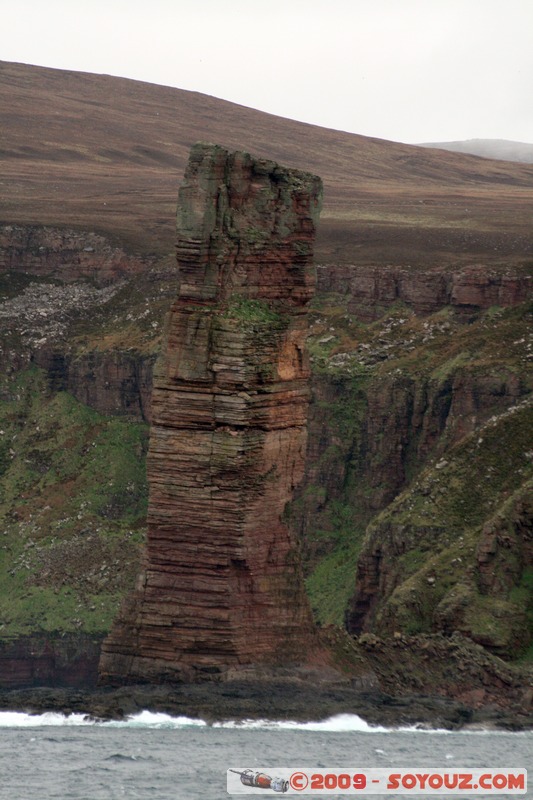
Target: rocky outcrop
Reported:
[(111, 382), (478, 287), (43, 314), (404, 473), (368, 437), (65, 254), (399, 681), (449, 666), (370, 291), (453, 552), (222, 588), (48, 660)]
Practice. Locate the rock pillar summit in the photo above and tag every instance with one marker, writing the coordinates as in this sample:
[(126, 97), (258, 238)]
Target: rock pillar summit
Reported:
[(222, 588)]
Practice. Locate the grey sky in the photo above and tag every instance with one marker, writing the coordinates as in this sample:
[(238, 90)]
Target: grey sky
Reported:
[(407, 70)]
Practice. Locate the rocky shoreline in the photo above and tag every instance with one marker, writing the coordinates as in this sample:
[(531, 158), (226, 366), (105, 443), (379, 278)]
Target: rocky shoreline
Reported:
[(432, 682), (271, 700)]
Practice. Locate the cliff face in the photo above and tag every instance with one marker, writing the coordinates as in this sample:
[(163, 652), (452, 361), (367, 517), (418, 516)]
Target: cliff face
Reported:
[(391, 400), (415, 368), (66, 254), (371, 290), (112, 383), (414, 505), (222, 585), (453, 551), (50, 660)]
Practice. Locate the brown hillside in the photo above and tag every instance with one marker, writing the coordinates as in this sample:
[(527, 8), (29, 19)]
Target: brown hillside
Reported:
[(107, 154)]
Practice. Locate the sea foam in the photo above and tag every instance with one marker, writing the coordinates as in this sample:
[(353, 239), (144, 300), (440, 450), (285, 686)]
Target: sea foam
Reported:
[(340, 723)]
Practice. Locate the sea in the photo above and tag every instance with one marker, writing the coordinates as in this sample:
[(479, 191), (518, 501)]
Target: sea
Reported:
[(153, 756)]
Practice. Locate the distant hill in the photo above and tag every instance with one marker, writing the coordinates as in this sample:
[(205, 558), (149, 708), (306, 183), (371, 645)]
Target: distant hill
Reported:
[(106, 154), (501, 149)]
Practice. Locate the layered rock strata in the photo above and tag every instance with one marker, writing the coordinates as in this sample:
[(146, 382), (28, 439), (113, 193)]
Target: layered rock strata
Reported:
[(371, 291), (222, 586), (49, 660), (65, 254), (115, 382)]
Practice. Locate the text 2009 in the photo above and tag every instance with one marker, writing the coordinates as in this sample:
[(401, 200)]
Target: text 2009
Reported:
[(331, 780)]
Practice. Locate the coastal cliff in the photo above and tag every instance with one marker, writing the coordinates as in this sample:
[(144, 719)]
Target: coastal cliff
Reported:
[(222, 584), (413, 506), (415, 502), (371, 290), (391, 400)]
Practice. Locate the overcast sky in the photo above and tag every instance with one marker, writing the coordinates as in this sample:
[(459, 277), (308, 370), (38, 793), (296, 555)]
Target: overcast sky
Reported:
[(407, 70)]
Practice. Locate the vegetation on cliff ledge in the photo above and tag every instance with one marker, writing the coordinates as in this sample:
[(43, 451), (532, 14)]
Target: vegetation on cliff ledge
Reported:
[(72, 506), (426, 446)]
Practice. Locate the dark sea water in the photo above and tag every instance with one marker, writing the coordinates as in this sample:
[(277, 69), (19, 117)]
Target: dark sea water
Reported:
[(156, 757)]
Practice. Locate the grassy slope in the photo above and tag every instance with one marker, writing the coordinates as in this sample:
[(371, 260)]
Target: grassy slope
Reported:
[(484, 481), (72, 506)]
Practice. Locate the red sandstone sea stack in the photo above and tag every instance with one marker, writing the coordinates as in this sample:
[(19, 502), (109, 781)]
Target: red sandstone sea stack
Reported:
[(222, 586)]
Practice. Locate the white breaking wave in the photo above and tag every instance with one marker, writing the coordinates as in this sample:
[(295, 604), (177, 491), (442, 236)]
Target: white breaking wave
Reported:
[(18, 719), (144, 719), (340, 723), (154, 719), (151, 719)]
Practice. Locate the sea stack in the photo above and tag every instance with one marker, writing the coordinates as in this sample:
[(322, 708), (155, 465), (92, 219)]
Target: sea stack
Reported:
[(221, 590)]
